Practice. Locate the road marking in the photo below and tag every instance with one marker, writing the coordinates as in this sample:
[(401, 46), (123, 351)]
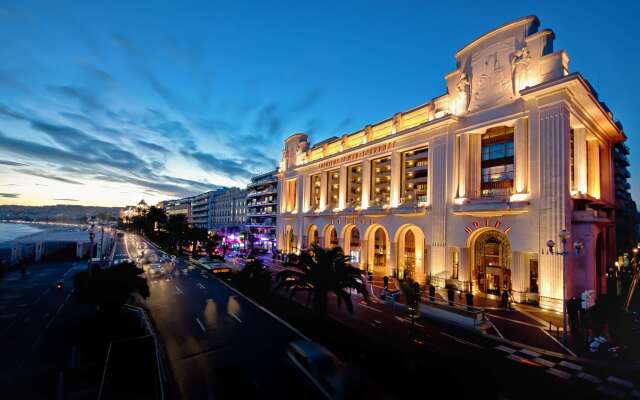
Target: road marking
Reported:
[(200, 323), (530, 353), (457, 339), (589, 378), (179, 290), (544, 362), (505, 349), (200, 285), (235, 317), (558, 373), (377, 322), (570, 365), (621, 382)]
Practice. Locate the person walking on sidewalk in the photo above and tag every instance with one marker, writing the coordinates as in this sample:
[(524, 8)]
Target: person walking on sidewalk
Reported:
[(504, 298)]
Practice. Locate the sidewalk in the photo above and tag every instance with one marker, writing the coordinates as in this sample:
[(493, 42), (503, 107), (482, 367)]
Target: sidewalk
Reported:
[(523, 323)]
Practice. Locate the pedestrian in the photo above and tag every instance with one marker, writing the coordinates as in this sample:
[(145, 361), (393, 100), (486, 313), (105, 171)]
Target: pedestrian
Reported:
[(505, 299)]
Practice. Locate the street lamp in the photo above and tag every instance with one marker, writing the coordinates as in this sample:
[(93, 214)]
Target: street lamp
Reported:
[(564, 235), (92, 237)]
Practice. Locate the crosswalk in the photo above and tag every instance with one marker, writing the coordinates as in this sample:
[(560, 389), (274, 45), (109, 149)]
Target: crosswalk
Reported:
[(610, 386)]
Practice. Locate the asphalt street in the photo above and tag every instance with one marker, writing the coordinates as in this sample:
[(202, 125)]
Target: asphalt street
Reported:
[(218, 344), (506, 368), (29, 305)]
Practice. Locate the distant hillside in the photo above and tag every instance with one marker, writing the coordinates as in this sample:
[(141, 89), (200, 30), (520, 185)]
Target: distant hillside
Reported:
[(58, 213)]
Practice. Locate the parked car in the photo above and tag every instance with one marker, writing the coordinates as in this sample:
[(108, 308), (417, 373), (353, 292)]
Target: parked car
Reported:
[(320, 366)]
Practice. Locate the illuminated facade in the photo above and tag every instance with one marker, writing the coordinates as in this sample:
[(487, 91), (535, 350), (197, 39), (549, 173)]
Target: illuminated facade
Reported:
[(129, 212), (262, 194), (470, 187)]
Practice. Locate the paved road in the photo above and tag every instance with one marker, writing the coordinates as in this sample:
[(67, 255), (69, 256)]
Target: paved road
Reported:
[(219, 345), (510, 367), (29, 305)]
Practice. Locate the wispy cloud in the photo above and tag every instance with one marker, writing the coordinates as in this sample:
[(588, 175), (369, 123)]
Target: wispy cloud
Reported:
[(12, 163), (10, 195)]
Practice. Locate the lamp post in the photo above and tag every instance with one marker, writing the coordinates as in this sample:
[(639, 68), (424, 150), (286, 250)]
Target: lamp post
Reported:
[(564, 235), (92, 237)]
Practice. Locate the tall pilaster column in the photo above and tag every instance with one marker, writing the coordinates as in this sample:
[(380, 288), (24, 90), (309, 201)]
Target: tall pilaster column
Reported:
[(342, 194), (306, 193), (463, 165), (580, 160), (366, 183), (323, 190), (464, 271), (521, 167), (593, 163), (475, 159), (555, 202), (281, 196), (519, 275), (396, 169), (392, 256), (606, 174)]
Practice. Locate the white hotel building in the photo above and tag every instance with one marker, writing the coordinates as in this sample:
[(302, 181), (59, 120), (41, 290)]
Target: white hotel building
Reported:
[(470, 187)]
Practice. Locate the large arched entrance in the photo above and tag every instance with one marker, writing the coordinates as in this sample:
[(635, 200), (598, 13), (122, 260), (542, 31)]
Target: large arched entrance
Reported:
[(288, 239), (410, 245), (330, 236), (378, 250), (491, 262), (312, 236), (351, 246)]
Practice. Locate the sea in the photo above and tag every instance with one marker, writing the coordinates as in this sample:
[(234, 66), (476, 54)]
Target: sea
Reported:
[(10, 231)]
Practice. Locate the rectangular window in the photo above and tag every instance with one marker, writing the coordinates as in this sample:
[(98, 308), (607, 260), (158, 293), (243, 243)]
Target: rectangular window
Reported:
[(290, 204), (380, 181), (333, 188), (415, 175), (314, 198), (354, 185), (497, 162)]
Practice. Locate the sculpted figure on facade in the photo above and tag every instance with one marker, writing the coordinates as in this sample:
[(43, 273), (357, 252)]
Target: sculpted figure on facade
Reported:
[(464, 92), (520, 68)]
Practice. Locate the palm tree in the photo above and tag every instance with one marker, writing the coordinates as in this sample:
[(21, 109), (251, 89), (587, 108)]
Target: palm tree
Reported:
[(319, 271), (156, 218), (197, 235), (177, 227)]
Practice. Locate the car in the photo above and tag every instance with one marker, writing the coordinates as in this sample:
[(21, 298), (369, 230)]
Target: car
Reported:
[(319, 365)]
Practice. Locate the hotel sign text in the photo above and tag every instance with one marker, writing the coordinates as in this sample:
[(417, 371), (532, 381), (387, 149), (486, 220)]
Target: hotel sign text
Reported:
[(357, 155)]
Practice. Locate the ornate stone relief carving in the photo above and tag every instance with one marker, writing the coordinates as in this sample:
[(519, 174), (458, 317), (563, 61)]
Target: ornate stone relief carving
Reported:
[(491, 74), (520, 61), (464, 93)]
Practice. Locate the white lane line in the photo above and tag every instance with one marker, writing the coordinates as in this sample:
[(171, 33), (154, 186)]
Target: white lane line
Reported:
[(621, 382), (179, 290), (530, 353), (589, 378), (505, 349), (570, 365), (558, 373), (235, 317), (200, 323), (457, 339), (200, 285), (544, 362)]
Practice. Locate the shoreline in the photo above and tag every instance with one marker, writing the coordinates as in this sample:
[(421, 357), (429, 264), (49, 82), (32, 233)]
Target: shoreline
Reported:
[(41, 226)]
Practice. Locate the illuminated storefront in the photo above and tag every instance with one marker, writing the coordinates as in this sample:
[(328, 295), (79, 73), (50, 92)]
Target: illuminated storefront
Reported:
[(470, 187)]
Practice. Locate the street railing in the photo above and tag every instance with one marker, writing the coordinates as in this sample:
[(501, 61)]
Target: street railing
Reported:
[(115, 381)]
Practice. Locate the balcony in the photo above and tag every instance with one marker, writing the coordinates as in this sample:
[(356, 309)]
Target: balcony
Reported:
[(491, 206), (262, 193)]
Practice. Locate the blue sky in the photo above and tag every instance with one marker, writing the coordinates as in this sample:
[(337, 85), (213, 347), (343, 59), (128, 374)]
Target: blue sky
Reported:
[(107, 103)]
